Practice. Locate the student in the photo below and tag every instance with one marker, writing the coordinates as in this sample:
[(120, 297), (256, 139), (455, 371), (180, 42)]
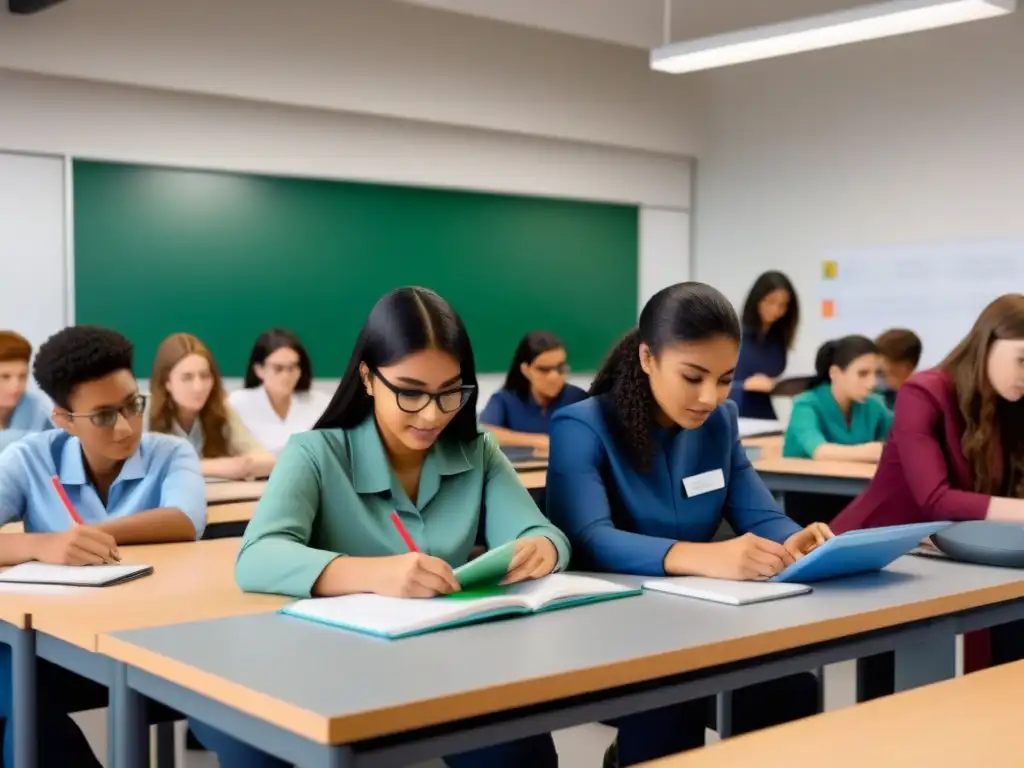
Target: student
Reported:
[(278, 400), (129, 488), (535, 387), (900, 352), (400, 434), (771, 315), (839, 419), (189, 401), (643, 474), (21, 412), (956, 452)]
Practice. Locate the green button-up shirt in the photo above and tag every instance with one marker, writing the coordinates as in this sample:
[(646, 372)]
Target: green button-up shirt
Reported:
[(332, 493), (817, 419)]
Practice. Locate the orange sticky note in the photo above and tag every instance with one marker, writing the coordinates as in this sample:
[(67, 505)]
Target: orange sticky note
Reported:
[(830, 270), (828, 308)]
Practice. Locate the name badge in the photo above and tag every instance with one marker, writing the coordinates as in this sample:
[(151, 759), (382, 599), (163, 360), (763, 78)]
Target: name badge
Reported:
[(705, 482)]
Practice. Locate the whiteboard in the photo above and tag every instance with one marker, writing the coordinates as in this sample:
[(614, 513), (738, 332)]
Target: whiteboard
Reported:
[(935, 290), (33, 269)]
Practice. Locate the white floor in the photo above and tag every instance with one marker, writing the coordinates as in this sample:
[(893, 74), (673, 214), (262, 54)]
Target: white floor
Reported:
[(581, 747)]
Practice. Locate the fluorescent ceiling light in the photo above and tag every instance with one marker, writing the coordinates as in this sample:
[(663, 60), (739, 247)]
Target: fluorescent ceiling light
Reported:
[(867, 22)]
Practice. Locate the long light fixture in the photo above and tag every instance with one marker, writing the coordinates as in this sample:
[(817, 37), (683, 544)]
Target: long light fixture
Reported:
[(866, 22)]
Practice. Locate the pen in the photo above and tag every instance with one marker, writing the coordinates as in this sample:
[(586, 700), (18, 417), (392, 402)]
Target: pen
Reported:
[(404, 533), (75, 517)]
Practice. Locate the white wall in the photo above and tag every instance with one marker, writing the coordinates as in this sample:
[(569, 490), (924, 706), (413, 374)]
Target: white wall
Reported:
[(906, 140)]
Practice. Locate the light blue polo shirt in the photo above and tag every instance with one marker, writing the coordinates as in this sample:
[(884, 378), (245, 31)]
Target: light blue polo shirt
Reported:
[(163, 472), (31, 414)]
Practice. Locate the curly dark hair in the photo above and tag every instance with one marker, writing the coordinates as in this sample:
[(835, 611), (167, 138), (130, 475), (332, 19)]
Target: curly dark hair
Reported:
[(686, 312), (79, 354)]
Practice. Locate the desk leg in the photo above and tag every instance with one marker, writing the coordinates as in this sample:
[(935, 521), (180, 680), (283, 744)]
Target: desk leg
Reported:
[(165, 746), (126, 721), (926, 662), (23, 669), (723, 714)]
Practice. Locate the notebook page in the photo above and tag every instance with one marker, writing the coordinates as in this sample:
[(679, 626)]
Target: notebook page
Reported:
[(561, 586), (392, 615), (77, 575)]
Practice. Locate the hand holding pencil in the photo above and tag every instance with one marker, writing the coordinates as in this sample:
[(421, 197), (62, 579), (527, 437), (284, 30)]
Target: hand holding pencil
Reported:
[(79, 545)]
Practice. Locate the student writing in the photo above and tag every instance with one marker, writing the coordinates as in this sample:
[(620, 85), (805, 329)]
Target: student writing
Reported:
[(278, 400), (899, 351), (21, 412), (400, 434), (771, 315), (956, 452), (128, 488), (189, 401), (643, 474), (535, 388), (839, 418)]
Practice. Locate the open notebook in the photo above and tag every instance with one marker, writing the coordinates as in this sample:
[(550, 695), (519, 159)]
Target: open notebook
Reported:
[(396, 617), (74, 575)]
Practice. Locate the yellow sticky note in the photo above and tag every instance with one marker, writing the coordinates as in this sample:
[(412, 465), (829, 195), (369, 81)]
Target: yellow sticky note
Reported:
[(830, 270), (828, 308)]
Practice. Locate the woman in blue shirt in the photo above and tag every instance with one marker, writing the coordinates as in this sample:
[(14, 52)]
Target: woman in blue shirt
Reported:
[(21, 412), (399, 436), (643, 474), (520, 413), (771, 315)]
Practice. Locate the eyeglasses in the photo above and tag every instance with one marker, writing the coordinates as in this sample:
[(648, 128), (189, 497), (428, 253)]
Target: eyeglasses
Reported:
[(106, 418), (415, 400), (560, 369)]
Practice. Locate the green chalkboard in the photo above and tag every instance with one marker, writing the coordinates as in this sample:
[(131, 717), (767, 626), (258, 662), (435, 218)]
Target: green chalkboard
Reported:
[(226, 256)]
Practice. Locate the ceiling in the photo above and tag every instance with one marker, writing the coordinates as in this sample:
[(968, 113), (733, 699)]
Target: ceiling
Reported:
[(638, 23)]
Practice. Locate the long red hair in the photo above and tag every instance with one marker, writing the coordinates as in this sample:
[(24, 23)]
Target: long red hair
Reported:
[(163, 411), (993, 441)]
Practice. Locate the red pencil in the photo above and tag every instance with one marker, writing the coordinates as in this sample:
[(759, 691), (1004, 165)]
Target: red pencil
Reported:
[(67, 502), (404, 533)]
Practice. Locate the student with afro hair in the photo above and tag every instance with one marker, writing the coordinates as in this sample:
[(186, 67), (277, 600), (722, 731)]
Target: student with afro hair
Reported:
[(128, 488)]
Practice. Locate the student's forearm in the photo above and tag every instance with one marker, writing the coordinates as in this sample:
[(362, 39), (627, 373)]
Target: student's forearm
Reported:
[(759, 383), (1000, 510), (223, 467), (688, 559), (868, 452), (347, 576), (262, 463), (18, 548), (155, 526), (512, 439)]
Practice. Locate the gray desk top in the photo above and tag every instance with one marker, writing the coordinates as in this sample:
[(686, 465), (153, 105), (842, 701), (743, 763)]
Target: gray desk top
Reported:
[(339, 674)]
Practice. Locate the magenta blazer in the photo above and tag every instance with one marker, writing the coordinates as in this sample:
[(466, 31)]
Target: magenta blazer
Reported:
[(923, 475)]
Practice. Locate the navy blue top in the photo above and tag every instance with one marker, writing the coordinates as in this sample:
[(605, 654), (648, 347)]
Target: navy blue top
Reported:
[(765, 355), (506, 409), (621, 521)]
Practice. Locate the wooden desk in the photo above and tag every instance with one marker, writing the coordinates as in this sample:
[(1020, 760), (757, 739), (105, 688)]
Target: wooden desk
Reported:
[(686, 649), (972, 720), (837, 478), (221, 519), (534, 479), (768, 447), (232, 491)]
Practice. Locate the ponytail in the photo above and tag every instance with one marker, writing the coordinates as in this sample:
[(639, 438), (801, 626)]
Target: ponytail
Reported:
[(840, 352), (621, 376)]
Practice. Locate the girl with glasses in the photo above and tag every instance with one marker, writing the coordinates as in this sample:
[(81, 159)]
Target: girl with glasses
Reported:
[(536, 386), (278, 400), (399, 436)]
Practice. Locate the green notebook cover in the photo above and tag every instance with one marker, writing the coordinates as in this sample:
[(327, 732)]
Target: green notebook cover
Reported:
[(488, 569)]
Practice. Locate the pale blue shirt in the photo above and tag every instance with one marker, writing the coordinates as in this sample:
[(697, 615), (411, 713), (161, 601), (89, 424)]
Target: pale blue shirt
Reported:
[(31, 414), (163, 472)]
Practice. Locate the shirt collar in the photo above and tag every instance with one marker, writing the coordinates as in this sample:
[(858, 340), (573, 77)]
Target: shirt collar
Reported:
[(72, 465), (371, 469)]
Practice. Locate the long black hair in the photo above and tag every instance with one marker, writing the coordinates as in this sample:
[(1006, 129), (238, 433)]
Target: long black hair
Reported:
[(401, 323), (267, 344), (840, 352), (686, 312), (783, 329), (531, 346)]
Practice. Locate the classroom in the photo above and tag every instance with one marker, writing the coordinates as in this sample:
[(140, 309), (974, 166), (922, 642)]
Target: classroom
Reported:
[(698, 319)]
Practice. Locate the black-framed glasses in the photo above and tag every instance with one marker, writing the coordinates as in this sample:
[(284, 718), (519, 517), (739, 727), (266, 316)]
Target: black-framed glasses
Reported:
[(561, 369), (415, 400), (106, 418)]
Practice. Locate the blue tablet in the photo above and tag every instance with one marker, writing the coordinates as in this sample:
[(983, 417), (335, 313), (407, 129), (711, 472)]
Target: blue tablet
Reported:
[(858, 552)]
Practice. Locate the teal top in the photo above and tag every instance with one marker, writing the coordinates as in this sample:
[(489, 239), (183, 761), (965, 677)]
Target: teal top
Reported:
[(332, 493), (817, 419)]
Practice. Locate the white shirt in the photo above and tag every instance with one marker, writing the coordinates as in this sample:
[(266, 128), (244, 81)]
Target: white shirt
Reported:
[(270, 430)]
